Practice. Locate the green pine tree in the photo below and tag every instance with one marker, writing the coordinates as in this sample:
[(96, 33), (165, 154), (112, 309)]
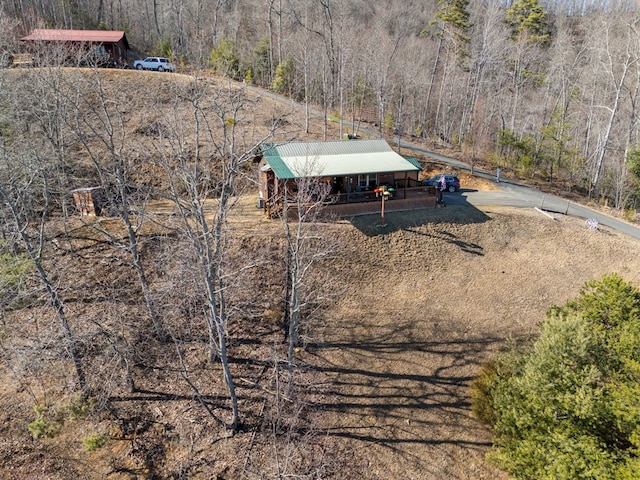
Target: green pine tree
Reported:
[(261, 65), (555, 149), (455, 14), (529, 21), (224, 59), (454, 17), (283, 80), (569, 406)]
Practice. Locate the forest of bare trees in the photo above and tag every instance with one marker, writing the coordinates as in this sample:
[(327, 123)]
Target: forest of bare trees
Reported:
[(548, 89), (160, 281), (90, 308)]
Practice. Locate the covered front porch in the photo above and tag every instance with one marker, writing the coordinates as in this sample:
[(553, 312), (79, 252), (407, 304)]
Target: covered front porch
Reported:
[(410, 198), (366, 187)]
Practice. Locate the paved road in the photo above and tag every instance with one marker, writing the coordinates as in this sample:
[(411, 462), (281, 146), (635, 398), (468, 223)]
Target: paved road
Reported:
[(512, 194)]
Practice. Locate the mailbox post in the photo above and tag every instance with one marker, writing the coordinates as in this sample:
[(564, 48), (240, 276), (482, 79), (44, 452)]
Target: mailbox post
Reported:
[(384, 192)]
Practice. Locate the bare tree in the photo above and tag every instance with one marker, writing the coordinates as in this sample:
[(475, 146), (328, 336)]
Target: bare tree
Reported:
[(490, 40), (100, 127), (204, 183), (23, 179), (307, 245), (617, 66)]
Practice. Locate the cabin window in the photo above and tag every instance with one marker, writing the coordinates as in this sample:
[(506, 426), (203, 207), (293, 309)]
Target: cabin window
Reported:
[(368, 180)]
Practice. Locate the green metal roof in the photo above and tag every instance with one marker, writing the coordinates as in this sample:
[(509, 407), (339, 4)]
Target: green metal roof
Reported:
[(279, 167), (335, 159), (414, 161)]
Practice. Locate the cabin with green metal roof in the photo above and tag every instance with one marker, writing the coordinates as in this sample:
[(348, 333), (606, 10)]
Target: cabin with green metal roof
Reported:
[(349, 171)]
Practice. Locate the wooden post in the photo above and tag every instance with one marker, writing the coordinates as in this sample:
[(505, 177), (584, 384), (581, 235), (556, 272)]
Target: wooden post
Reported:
[(406, 182)]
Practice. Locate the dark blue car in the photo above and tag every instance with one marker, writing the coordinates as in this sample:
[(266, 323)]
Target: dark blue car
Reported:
[(452, 182)]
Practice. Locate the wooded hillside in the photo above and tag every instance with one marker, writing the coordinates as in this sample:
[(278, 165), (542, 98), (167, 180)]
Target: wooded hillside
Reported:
[(180, 334), (546, 89)]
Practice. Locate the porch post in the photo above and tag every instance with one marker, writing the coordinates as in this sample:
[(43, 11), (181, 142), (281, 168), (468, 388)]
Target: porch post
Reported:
[(406, 180)]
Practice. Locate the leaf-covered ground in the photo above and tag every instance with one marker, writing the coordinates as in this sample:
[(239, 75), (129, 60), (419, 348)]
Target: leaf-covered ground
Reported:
[(411, 312)]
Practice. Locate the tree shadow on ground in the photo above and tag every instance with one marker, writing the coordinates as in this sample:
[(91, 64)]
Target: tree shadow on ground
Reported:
[(373, 225), (448, 237), (394, 387)]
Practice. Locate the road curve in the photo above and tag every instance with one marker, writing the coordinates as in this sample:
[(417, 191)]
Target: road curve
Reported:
[(512, 194)]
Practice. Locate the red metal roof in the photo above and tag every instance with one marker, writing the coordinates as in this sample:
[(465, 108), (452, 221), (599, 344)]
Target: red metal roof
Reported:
[(101, 36)]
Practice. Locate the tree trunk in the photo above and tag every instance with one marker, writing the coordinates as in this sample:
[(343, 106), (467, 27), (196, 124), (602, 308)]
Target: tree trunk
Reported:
[(54, 297)]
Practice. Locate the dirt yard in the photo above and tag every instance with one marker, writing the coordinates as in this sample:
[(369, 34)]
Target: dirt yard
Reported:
[(428, 300), (419, 305)]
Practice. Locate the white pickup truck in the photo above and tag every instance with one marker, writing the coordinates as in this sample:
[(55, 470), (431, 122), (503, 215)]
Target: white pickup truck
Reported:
[(159, 64)]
